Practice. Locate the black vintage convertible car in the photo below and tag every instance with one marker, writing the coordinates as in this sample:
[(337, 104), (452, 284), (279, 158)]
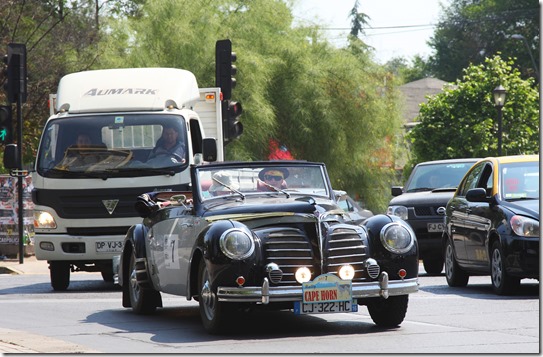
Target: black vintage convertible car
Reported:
[(265, 235)]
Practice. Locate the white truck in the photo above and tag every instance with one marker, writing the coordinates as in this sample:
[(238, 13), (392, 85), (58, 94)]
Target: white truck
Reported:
[(84, 197)]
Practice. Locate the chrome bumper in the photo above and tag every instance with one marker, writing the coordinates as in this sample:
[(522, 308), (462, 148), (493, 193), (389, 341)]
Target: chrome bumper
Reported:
[(265, 294)]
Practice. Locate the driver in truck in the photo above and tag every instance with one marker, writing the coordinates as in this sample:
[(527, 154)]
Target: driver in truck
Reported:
[(169, 144)]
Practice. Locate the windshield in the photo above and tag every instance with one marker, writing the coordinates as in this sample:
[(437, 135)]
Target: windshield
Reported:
[(444, 175), (520, 180), (113, 145), (247, 179)]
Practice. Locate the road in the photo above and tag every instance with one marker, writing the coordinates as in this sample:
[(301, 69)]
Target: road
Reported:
[(89, 318)]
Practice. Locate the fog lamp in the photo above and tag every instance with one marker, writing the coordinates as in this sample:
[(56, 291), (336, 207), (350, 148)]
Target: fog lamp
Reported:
[(303, 275), (346, 272), (402, 273), (47, 246), (240, 281)]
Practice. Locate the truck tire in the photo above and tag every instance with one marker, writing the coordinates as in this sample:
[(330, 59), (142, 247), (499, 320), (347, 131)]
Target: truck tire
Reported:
[(502, 283), (142, 299), (60, 275), (433, 266), (214, 314), (389, 312), (456, 277)]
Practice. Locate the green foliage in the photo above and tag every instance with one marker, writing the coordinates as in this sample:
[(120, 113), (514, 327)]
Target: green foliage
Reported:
[(325, 104), (409, 72), (462, 121), (472, 30)]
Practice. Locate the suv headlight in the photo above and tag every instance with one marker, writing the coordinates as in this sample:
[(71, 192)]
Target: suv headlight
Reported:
[(236, 244), (524, 226), (397, 238), (400, 211)]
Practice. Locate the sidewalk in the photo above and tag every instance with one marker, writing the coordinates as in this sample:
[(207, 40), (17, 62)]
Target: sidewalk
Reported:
[(30, 266)]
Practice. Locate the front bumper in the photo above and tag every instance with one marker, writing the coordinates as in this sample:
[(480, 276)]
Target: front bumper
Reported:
[(265, 294)]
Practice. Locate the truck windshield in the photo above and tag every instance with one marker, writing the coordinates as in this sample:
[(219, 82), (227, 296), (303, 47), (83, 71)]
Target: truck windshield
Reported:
[(108, 145)]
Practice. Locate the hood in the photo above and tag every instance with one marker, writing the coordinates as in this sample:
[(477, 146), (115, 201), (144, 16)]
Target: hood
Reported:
[(529, 208), (433, 198), (259, 204)]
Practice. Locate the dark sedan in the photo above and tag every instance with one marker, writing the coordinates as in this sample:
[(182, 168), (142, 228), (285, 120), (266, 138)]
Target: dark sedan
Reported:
[(492, 223)]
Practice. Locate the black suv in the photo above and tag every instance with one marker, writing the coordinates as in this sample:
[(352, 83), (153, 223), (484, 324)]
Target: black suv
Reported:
[(422, 202)]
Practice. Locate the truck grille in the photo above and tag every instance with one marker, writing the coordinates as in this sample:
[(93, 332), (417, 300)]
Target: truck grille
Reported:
[(292, 248)]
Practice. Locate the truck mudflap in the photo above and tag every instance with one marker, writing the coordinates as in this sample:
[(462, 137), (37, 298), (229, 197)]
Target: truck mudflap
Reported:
[(383, 287)]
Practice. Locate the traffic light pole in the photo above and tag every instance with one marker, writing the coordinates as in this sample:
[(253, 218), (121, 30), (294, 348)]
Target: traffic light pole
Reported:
[(20, 178)]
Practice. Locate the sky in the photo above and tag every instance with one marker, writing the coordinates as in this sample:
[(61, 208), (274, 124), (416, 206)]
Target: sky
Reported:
[(389, 35)]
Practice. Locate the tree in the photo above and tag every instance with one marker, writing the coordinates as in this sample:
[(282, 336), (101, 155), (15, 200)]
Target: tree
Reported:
[(325, 104), (409, 72), (461, 121), (472, 30)]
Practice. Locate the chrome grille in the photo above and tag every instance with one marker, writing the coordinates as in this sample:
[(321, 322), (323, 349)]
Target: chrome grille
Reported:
[(346, 246), (290, 249)]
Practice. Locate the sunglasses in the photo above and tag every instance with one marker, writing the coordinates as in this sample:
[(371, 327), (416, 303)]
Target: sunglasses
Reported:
[(273, 177)]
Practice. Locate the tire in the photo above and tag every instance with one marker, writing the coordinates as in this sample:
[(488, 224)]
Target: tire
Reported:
[(142, 299), (456, 277), (60, 275), (107, 276), (389, 312), (433, 266), (502, 283), (213, 313)]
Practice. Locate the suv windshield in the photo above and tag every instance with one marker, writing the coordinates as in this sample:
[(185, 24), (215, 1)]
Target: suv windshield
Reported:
[(113, 146), (434, 176)]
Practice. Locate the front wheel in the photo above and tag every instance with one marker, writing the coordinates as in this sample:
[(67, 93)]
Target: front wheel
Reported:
[(502, 283), (388, 312), (213, 313), (60, 275), (143, 300), (456, 277)]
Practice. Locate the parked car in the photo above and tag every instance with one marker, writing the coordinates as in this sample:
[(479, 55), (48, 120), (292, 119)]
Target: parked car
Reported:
[(422, 201), (493, 223), (351, 207), (265, 235)]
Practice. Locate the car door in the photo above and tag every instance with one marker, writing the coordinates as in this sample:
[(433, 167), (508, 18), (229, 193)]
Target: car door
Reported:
[(458, 208), (479, 218)]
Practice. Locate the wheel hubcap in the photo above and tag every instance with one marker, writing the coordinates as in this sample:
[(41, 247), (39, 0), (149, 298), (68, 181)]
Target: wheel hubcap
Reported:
[(134, 284), (449, 261), (497, 268), (208, 299)]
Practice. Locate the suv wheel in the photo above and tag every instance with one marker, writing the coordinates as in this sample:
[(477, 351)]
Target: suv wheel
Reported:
[(433, 266)]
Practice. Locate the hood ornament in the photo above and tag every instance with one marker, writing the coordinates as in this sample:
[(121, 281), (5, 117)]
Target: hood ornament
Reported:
[(110, 205)]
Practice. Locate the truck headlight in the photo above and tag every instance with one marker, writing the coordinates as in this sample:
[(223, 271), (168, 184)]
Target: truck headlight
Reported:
[(44, 219), (397, 238), (236, 244), (400, 211), (524, 226)]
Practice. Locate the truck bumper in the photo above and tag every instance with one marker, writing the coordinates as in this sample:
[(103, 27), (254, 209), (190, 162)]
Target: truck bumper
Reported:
[(73, 248), (265, 294)]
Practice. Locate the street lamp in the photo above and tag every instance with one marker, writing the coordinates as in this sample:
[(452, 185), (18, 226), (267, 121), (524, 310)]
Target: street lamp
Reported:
[(520, 37), (499, 100)]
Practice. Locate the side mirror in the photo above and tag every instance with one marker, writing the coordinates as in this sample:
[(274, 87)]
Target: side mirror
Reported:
[(209, 149), (11, 159), (396, 190), (477, 195)]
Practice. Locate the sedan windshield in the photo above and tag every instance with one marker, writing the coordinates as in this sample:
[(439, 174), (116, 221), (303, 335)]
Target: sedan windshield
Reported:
[(520, 180), (257, 180)]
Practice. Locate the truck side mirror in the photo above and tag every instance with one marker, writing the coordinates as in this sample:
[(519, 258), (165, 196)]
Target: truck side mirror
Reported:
[(209, 149), (396, 190), (11, 159)]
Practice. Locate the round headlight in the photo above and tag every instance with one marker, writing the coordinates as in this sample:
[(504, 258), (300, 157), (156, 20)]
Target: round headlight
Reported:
[(400, 211), (236, 244), (397, 237)]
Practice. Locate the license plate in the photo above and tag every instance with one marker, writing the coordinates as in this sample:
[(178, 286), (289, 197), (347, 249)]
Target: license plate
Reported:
[(436, 227), (325, 307), (109, 247)]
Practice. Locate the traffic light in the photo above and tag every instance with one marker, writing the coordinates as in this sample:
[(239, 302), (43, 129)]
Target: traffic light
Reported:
[(224, 69), (15, 83), (6, 125), (232, 127)]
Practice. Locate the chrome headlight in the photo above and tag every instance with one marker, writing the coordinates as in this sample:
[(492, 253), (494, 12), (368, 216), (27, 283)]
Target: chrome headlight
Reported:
[(397, 238), (400, 211), (236, 244), (525, 227)]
